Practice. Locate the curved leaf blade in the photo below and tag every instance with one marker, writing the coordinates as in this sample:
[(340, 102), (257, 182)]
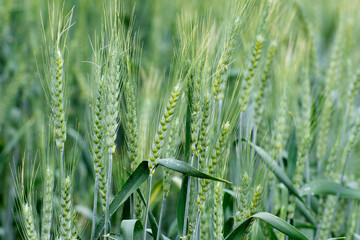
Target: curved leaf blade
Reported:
[(270, 231), (270, 219), (187, 169), (139, 176), (327, 187), (132, 229)]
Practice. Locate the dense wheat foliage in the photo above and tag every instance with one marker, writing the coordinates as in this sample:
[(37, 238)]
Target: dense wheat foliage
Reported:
[(181, 119)]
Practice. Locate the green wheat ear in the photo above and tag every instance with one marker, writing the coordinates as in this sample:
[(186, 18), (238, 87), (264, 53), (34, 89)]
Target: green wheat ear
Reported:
[(170, 153), (195, 87), (163, 128), (224, 62), (254, 207), (242, 199), (65, 217), (203, 133), (113, 81), (47, 205), (30, 230), (210, 168), (324, 229), (250, 72), (218, 216), (99, 140), (331, 78), (259, 102), (57, 89), (131, 125)]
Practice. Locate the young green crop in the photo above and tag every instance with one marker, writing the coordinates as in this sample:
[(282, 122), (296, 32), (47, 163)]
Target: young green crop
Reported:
[(241, 116)]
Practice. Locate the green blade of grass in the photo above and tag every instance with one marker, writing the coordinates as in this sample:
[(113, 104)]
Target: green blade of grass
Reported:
[(270, 219), (132, 229), (187, 169), (327, 187), (270, 231), (139, 176)]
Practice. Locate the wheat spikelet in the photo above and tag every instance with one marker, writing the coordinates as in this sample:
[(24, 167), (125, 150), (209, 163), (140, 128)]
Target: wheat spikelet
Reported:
[(163, 128), (65, 217), (30, 230), (47, 205)]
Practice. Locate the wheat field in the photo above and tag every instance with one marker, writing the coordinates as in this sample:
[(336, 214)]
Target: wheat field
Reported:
[(181, 119)]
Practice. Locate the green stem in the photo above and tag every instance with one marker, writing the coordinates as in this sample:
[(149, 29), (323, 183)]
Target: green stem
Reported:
[(62, 163), (148, 204), (95, 207), (187, 157), (161, 216), (197, 231), (108, 188), (187, 199)]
